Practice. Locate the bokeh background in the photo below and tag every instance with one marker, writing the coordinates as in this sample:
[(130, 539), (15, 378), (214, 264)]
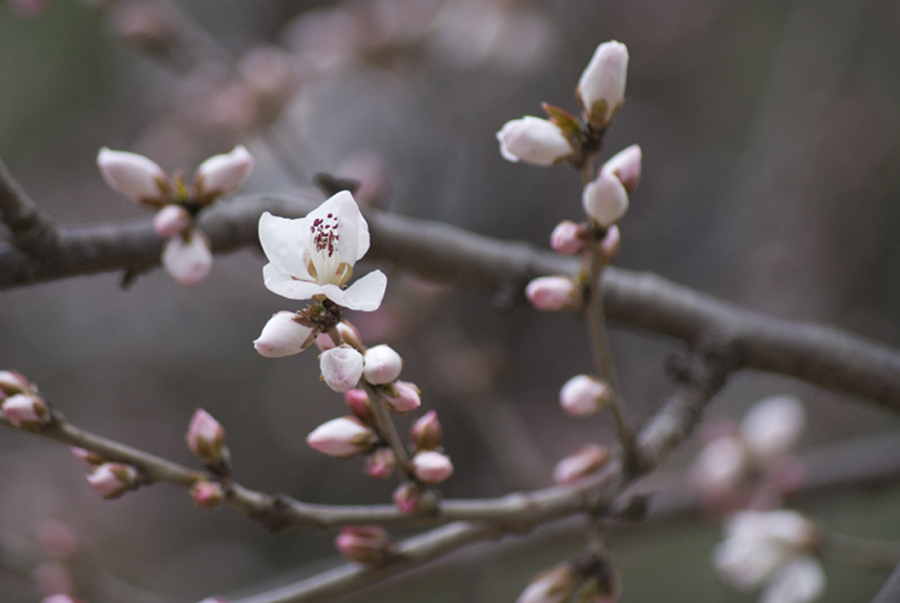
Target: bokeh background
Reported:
[(769, 132)]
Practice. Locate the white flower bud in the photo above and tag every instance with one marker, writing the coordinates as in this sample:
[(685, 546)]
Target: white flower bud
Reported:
[(172, 220), (283, 336), (605, 200), (133, 175), (188, 258), (584, 395), (773, 426), (26, 411), (432, 467), (342, 368), (626, 166), (342, 437), (112, 480), (382, 365), (533, 140), (554, 294), (223, 174), (601, 89)]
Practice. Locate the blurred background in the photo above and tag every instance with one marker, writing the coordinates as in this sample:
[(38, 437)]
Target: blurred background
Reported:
[(770, 179)]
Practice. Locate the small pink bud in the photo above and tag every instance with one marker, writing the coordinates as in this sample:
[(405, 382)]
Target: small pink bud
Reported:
[(587, 460), (432, 467), (382, 365), (172, 220), (773, 426), (350, 334), (133, 175), (342, 437), (324, 342), (206, 439), (584, 395), (207, 494), (61, 599), (408, 497), (342, 368), (626, 166), (12, 383), (380, 463), (26, 411), (283, 335), (554, 294), (91, 458), (188, 257), (533, 140), (57, 540), (426, 432), (112, 480), (552, 586), (402, 397), (365, 544), (569, 238), (358, 401), (223, 174), (605, 200), (611, 244), (601, 88)]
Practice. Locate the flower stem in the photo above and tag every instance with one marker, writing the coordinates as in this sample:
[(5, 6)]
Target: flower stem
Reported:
[(385, 427)]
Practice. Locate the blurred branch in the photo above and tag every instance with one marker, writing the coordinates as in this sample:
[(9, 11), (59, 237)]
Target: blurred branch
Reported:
[(32, 230)]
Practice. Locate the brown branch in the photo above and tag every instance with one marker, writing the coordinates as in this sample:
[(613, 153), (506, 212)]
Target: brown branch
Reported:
[(32, 230)]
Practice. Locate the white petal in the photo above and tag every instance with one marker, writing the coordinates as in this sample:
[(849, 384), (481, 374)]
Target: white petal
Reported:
[(131, 174), (605, 200), (285, 286), (773, 426), (354, 241), (188, 261), (284, 241), (800, 581), (533, 140), (604, 79), (225, 173), (364, 295), (282, 336)]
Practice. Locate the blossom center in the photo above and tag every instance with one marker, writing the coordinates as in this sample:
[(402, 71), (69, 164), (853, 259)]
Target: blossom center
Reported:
[(325, 234)]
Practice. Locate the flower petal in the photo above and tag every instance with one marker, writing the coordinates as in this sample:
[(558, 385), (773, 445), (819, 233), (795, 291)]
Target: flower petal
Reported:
[(284, 241), (364, 295), (282, 284)]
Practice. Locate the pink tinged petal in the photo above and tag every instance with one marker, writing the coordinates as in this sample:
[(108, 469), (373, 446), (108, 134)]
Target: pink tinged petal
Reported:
[(380, 463), (112, 480), (801, 580), (172, 220), (364, 295), (285, 242), (283, 336), (131, 174), (342, 437), (12, 383), (533, 140), (605, 200), (601, 87), (224, 174), (584, 395), (206, 438), (189, 259), (365, 544), (554, 294), (589, 459), (342, 368), (720, 466), (408, 497), (773, 426), (569, 238), (432, 467), (26, 411), (427, 432), (626, 166), (61, 599), (402, 397), (207, 494), (382, 365)]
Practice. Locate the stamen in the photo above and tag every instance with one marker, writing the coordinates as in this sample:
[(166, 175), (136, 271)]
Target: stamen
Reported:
[(325, 234)]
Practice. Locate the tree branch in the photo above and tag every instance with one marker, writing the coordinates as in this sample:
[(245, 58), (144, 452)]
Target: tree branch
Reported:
[(32, 230)]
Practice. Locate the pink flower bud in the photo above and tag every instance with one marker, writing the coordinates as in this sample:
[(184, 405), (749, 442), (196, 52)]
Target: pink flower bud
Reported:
[(380, 463), (91, 458), (553, 586), (207, 494), (133, 175), (626, 166), (601, 88), (12, 383), (584, 395), (402, 397), (57, 540), (172, 220), (112, 480), (61, 599), (223, 174), (382, 365), (360, 406), (611, 244), (554, 294), (324, 342), (365, 544), (773, 426), (342, 368), (188, 257), (350, 334), (426, 432), (605, 200), (53, 577), (283, 335), (533, 140), (206, 439), (432, 467), (26, 411), (342, 437), (587, 460), (569, 238), (408, 497)]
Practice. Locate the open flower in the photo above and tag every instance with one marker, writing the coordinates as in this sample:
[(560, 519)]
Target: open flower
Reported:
[(313, 257)]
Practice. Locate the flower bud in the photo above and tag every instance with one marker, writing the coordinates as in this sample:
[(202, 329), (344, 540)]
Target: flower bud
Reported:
[(533, 140), (188, 257), (61, 599), (584, 395), (206, 439), (57, 540), (91, 458), (426, 433), (552, 586), (382, 365), (720, 466), (172, 220), (12, 383), (283, 335), (112, 480), (26, 411), (554, 294), (432, 467), (223, 174), (408, 497), (611, 244), (601, 88), (342, 437), (773, 426), (360, 406), (626, 166), (54, 578), (585, 461), (605, 200), (350, 334), (133, 175), (569, 238), (402, 397), (207, 494), (380, 463), (342, 368), (365, 544)]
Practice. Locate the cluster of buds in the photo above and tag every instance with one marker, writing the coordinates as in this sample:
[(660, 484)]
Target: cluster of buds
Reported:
[(429, 464), (584, 578), (23, 406), (206, 439), (371, 545), (55, 577), (750, 464), (186, 255)]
